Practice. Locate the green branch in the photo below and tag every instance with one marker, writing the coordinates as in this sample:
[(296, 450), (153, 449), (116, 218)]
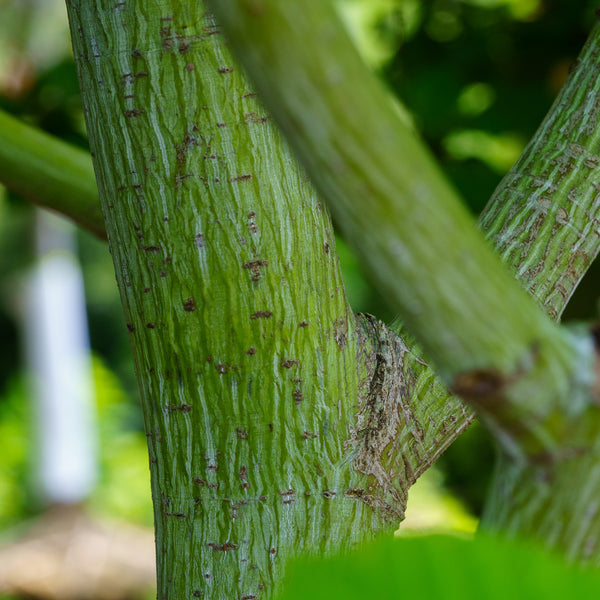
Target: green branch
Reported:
[(427, 255), (485, 335), (49, 172), (544, 217)]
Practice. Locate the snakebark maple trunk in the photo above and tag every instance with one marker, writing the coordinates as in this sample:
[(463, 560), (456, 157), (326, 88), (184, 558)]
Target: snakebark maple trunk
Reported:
[(250, 363)]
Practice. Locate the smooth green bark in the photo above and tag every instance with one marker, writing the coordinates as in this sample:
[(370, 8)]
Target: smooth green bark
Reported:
[(553, 499), (49, 172)]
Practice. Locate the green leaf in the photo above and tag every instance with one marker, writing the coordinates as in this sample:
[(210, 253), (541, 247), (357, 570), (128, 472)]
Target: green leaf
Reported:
[(440, 568)]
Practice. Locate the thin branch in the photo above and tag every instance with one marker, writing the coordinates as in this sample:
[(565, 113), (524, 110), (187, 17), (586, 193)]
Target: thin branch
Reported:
[(49, 172)]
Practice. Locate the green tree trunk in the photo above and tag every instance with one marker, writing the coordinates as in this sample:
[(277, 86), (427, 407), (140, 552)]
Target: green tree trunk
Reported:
[(250, 363)]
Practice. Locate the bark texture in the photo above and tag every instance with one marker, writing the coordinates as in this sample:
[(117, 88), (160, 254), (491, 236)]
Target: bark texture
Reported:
[(544, 217)]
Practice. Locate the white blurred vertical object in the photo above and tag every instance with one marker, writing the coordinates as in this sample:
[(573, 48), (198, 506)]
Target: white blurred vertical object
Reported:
[(57, 348)]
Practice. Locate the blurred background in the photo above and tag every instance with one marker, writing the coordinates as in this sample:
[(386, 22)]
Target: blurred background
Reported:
[(477, 77)]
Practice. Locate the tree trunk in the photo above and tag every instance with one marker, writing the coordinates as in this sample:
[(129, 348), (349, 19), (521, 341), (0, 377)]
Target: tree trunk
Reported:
[(250, 363)]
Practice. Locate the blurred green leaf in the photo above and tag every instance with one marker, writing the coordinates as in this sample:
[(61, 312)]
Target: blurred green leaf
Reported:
[(123, 490), (374, 26), (432, 509), (499, 152), (440, 568), (519, 9), (16, 452), (445, 25), (476, 99)]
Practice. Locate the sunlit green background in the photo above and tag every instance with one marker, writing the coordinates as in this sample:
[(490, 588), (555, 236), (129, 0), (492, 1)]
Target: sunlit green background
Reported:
[(477, 77)]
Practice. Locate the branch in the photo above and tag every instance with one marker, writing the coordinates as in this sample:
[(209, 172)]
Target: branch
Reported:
[(406, 418), (544, 217), (377, 177), (483, 333), (49, 172)]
